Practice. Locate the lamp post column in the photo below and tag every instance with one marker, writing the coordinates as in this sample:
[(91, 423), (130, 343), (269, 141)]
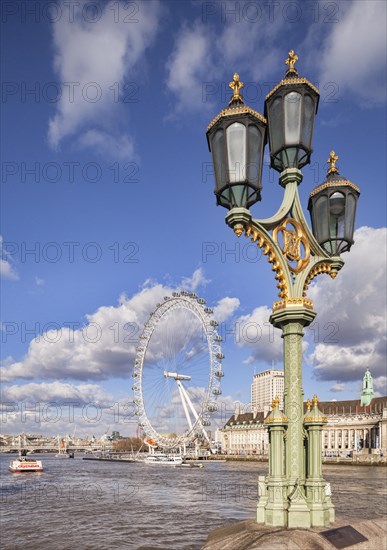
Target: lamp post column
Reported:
[(272, 508), (322, 511), (291, 320)]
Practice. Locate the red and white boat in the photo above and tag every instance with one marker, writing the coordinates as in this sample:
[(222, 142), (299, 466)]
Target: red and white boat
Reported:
[(24, 464)]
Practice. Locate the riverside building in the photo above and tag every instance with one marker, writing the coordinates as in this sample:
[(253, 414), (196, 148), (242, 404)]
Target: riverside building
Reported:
[(356, 426), (265, 387)]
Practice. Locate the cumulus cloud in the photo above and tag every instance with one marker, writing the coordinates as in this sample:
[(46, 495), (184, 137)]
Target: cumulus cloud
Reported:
[(354, 52), (59, 392), (193, 283), (337, 388), (189, 65), (120, 147), (7, 270), (351, 310), (255, 333), (198, 62), (93, 61), (105, 346), (226, 308)]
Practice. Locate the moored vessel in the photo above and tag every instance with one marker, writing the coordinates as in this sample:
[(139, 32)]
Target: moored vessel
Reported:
[(163, 459)]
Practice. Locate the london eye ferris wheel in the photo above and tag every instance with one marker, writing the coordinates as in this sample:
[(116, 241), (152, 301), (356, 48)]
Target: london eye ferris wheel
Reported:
[(177, 371)]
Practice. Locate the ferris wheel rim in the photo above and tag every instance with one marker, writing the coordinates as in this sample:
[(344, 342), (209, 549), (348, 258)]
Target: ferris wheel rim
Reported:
[(195, 305)]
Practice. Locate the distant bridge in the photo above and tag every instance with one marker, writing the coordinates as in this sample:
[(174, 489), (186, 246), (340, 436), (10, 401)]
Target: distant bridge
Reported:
[(53, 448)]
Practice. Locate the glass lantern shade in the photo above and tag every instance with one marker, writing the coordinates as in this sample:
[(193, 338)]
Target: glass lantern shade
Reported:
[(290, 109), (237, 142), (332, 208)]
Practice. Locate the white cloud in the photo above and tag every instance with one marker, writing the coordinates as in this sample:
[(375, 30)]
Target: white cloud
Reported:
[(354, 53), (226, 308), (351, 320), (39, 281), (59, 392), (94, 61), (193, 283), (7, 270), (120, 147), (204, 52), (255, 333), (337, 388), (190, 65), (105, 346)]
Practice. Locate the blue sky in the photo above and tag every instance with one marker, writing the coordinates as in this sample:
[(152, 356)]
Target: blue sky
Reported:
[(106, 176)]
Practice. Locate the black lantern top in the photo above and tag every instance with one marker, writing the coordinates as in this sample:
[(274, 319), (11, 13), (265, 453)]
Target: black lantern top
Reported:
[(290, 109), (332, 207), (236, 138)]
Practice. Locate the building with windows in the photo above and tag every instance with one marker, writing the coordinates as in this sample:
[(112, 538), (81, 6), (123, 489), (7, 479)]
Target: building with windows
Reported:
[(352, 427), (265, 387)]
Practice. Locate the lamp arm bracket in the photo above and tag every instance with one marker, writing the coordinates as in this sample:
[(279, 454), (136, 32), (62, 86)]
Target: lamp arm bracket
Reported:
[(271, 249), (289, 197), (317, 265)]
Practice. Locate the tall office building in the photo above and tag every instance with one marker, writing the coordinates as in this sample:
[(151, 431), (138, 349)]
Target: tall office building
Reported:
[(265, 387)]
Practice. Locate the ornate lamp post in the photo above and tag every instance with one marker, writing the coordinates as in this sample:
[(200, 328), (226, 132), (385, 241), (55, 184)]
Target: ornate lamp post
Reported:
[(293, 494)]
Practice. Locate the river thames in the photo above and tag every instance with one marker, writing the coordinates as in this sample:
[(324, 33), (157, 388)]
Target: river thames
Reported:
[(79, 504)]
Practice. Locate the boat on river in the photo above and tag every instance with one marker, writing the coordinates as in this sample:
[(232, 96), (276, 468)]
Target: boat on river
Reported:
[(63, 451), (163, 459), (24, 464)]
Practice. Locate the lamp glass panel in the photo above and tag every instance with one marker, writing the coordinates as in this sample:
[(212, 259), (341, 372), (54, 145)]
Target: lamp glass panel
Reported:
[(336, 227), (350, 211), (289, 157), (236, 151), (321, 219), (239, 194), (275, 124), (254, 153), (307, 127), (217, 147), (292, 106), (337, 203)]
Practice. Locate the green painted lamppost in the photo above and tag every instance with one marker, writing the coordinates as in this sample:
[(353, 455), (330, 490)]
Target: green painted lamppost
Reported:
[(294, 493)]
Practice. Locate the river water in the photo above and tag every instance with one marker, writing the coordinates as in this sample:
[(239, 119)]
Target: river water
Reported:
[(81, 505)]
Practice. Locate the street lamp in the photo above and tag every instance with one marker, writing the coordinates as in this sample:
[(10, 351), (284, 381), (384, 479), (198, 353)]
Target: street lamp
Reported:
[(236, 139), (294, 493), (332, 207), (290, 109)]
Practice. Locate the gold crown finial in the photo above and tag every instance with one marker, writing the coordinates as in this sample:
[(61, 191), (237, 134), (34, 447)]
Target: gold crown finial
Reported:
[(236, 85), (315, 400), (291, 60), (275, 403), (308, 404), (333, 158)]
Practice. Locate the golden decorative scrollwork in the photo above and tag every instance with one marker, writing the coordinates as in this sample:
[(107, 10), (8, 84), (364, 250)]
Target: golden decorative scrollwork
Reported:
[(323, 267), (315, 419), (292, 244), (269, 419), (334, 183), (282, 304), (308, 404), (268, 250), (237, 109)]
